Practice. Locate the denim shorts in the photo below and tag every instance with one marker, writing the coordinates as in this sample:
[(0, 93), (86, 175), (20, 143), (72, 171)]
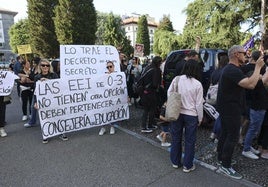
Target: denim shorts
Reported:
[(165, 128)]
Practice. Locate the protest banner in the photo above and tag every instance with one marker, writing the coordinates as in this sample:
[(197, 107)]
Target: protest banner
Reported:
[(87, 60), (6, 82), (138, 50), (24, 49), (77, 103)]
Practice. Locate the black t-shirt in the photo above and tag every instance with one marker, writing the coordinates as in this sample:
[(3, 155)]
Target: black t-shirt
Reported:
[(230, 94), (257, 98)]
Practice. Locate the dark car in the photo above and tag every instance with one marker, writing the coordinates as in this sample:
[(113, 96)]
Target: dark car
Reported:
[(209, 57)]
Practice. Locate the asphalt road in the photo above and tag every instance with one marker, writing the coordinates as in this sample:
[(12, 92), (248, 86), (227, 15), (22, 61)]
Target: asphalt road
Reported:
[(87, 159)]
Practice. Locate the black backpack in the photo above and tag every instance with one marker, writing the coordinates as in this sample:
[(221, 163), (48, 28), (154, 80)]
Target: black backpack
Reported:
[(138, 86)]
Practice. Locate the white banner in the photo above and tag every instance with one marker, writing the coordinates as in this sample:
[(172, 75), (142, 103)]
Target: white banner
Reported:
[(77, 103), (6, 82), (87, 60)]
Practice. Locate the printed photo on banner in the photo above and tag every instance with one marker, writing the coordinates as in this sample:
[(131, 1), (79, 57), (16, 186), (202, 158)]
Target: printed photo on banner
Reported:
[(6, 82), (87, 60), (138, 50)]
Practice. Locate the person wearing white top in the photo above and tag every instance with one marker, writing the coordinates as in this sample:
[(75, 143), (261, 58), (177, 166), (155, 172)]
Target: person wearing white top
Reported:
[(191, 90)]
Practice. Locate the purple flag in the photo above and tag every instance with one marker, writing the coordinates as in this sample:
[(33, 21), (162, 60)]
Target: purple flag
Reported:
[(249, 44)]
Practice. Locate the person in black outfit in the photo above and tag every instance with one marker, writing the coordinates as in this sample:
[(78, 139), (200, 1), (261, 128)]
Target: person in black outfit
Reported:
[(230, 91), (151, 83)]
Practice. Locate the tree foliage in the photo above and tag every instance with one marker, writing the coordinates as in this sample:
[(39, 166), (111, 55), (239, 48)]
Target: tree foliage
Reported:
[(41, 28), (219, 22), (164, 38), (110, 32), (75, 22), (19, 34), (143, 34), (165, 24)]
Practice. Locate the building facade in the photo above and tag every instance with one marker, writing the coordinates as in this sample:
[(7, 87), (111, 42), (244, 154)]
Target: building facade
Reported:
[(130, 25), (6, 21)]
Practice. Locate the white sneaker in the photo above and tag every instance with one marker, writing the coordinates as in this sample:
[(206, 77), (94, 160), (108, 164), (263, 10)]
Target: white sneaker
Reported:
[(3, 132), (159, 138), (165, 144), (112, 130), (24, 118), (249, 154), (102, 131), (27, 125), (255, 151)]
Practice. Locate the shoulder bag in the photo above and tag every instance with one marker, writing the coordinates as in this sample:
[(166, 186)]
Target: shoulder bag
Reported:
[(173, 107)]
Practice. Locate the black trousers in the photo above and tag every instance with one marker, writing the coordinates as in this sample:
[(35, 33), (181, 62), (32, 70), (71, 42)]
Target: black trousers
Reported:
[(228, 138), (2, 111), (149, 103)]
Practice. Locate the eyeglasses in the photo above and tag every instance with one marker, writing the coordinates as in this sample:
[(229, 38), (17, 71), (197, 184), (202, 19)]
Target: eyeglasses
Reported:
[(108, 67), (45, 65)]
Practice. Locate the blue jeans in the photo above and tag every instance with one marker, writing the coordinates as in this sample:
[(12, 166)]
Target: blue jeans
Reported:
[(190, 124), (32, 121), (256, 119)]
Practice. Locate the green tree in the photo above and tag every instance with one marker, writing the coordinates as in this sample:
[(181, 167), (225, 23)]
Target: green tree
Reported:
[(75, 22), (164, 38), (143, 34), (165, 24), (19, 34), (110, 32), (41, 28)]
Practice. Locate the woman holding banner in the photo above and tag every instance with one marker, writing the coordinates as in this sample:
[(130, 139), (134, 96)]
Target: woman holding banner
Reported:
[(45, 72), (110, 68), (2, 117)]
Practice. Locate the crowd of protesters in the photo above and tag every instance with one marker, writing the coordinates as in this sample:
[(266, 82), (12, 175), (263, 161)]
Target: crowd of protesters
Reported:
[(242, 91)]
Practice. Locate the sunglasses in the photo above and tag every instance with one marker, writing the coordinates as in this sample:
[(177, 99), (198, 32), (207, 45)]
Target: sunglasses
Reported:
[(108, 67), (242, 53), (45, 65)]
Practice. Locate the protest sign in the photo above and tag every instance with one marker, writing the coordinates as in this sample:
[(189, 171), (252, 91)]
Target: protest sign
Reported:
[(77, 103), (24, 49), (87, 60), (138, 50), (6, 82)]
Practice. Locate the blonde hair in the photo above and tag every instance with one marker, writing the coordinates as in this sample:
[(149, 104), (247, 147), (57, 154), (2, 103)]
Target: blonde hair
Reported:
[(47, 62)]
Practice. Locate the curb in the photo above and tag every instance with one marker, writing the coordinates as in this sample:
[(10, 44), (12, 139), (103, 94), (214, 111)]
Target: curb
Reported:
[(198, 162)]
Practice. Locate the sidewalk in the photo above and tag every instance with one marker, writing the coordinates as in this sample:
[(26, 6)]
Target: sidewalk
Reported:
[(86, 159)]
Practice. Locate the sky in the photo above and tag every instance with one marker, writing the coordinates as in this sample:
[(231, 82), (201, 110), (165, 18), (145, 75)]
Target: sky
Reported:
[(155, 8)]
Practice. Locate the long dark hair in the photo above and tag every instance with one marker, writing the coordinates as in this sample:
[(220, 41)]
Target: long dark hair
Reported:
[(192, 69)]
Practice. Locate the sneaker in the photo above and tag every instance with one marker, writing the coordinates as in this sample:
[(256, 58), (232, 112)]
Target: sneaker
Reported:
[(102, 131), (230, 172), (24, 118), (3, 132), (264, 155), (175, 166), (159, 138), (152, 127), (27, 125), (45, 141), (165, 144), (188, 170), (112, 130), (233, 162), (146, 130), (212, 136), (63, 137), (255, 151), (249, 154)]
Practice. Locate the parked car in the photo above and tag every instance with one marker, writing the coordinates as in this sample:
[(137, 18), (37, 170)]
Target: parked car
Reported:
[(4, 65), (210, 58)]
